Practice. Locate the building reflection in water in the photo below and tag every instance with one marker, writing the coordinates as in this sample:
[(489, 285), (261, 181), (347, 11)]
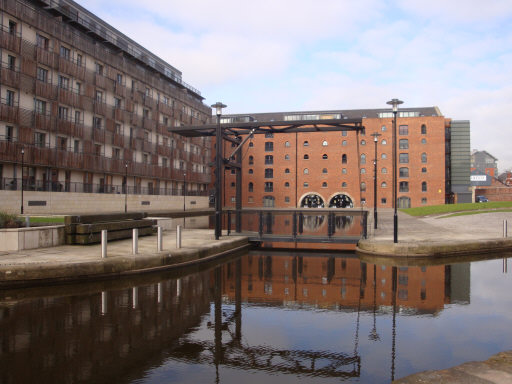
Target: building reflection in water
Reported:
[(117, 332)]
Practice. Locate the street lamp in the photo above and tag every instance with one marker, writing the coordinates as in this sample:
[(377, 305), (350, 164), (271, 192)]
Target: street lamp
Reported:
[(184, 188), (375, 140), (218, 173), (395, 103), (125, 187), (22, 165)]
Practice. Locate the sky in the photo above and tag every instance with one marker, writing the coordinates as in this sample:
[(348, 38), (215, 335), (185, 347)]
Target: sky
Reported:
[(294, 55)]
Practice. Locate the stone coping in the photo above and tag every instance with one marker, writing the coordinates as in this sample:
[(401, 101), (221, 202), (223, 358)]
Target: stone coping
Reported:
[(28, 229)]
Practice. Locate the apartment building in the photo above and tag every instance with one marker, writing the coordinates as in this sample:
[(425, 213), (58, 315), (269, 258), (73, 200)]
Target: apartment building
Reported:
[(337, 168), (86, 109)]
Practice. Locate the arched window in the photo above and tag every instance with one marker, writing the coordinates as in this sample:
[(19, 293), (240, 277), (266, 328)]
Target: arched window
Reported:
[(324, 185), (423, 157), (324, 156), (324, 143), (424, 170), (344, 170), (324, 170), (306, 143), (423, 129), (251, 187), (344, 143), (384, 184), (344, 184), (363, 158), (306, 171), (306, 157), (404, 172), (287, 184), (251, 144), (424, 186), (384, 156), (343, 159), (287, 170), (287, 144), (423, 141), (251, 171), (287, 157), (383, 128), (363, 142), (384, 170), (251, 160), (384, 142), (363, 171), (363, 186)]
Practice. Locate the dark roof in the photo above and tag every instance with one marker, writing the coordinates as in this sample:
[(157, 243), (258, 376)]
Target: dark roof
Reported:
[(345, 113)]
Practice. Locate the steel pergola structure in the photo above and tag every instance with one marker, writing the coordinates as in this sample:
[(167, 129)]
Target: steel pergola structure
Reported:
[(233, 132)]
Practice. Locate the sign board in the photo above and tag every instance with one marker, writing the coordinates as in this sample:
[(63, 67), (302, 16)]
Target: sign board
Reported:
[(478, 177)]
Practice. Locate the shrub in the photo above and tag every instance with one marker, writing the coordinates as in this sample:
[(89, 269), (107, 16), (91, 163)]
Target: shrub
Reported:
[(10, 220)]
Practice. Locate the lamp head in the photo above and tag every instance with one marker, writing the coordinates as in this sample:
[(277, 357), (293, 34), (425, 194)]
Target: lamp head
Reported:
[(395, 103), (218, 107)]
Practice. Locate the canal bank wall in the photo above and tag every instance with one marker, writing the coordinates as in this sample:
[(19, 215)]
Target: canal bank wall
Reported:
[(71, 263), (437, 236)]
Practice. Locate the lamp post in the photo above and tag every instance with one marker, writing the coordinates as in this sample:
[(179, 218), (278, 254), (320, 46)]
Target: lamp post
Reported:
[(22, 165), (218, 172), (395, 103), (375, 140), (184, 189), (125, 187)]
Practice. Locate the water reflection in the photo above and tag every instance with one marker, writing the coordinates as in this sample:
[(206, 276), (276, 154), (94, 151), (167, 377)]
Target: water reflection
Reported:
[(275, 317)]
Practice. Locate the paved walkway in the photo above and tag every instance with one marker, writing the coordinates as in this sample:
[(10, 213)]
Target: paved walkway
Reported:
[(437, 235)]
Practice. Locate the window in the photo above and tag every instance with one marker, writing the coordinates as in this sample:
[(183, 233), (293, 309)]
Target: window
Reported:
[(423, 157), (424, 186), (116, 154), (40, 106), (39, 139), (79, 59), (96, 122), (269, 173), (78, 117), (269, 135), (268, 201), (306, 143), (384, 142), (383, 184), (65, 52), (384, 156), (12, 27), (269, 146), (424, 170), (306, 157), (363, 142), (287, 157), (306, 184), (423, 200), (404, 158), (251, 187), (117, 104), (344, 171), (343, 133), (63, 82), (324, 184), (76, 146), (287, 144), (344, 185), (269, 159), (324, 170), (384, 170), (306, 171), (287, 170), (11, 62), (42, 42), (383, 128), (403, 130), (63, 113), (287, 199), (383, 200), (9, 133), (251, 144), (404, 172), (404, 186), (98, 68), (251, 171), (78, 88), (269, 186), (423, 129), (42, 74), (423, 141), (344, 143), (325, 143), (119, 79), (99, 96), (363, 186), (363, 158), (325, 157), (363, 171), (403, 144), (343, 159), (251, 160), (9, 98)]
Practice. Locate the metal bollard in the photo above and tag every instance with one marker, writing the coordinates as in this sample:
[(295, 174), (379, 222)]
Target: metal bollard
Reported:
[(103, 243), (159, 239), (178, 236), (135, 241), (505, 228), (103, 302), (135, 297), (159, 292), (27, 221)]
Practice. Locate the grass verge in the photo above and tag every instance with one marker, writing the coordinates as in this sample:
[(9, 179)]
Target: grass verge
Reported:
[(475, 212), (449, 208)]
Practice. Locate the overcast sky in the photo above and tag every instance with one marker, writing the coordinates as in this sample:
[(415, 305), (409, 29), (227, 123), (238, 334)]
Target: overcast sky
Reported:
[(292, 55)]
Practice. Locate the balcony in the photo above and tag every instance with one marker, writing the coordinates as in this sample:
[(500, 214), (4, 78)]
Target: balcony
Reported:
[(46, 90), (9, 113), (10, 78), (118, 140), (100, 108), (67, 97), (44, 122), (45, 57), (98, 135), (148, 124), (10, 41)]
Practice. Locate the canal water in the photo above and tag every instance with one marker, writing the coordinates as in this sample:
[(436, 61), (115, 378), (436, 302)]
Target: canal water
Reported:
[(265, 317)]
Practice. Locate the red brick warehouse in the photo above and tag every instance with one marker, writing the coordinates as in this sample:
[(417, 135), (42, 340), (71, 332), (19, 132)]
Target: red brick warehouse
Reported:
[(336, 168)]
